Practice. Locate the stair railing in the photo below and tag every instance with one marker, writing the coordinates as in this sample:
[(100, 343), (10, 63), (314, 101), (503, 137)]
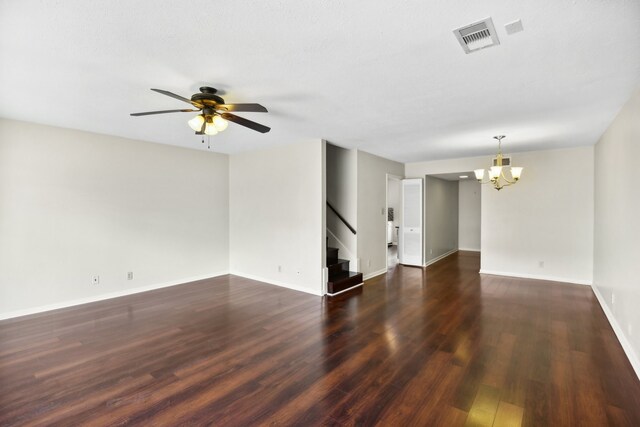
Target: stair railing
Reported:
[(344, 221)]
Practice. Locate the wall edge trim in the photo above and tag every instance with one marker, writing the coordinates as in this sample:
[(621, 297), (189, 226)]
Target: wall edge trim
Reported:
[(537, 277), (275, 283), (444, 255), (374, 274), (106, 296), (622, 338)]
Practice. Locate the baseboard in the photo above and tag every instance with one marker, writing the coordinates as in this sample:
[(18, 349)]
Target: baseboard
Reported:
[(469, 249), (275, 282), (622, 338), (536, 277), (374, 274), (433, 261), (345, 290), (102, 297)]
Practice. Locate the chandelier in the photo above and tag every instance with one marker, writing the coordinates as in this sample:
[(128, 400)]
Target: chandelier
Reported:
[(496, 173)]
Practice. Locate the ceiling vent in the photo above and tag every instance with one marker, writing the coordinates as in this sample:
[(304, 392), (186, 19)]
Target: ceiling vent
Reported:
[(477, 36), (506, 161)]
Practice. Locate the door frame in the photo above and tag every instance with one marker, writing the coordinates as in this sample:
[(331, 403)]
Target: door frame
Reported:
[(386, 210), (422, 222)]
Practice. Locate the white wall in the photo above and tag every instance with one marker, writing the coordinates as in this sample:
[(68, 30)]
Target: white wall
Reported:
[(617, 226), (342, 193), (469, 203), (440, 217), (276, 215), (372, 216), (547, 216), (75, 204)]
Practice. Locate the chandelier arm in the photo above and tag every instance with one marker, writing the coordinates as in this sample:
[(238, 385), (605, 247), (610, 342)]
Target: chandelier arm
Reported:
[(485, 182), (506, 179)]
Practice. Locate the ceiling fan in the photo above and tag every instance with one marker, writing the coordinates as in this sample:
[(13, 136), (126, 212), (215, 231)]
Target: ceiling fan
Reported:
[(215, 114)]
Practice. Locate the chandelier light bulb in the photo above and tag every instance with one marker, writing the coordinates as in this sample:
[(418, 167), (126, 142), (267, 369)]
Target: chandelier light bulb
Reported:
[(210, 129), (479, 174), (220, 123), (494, 172), (196, 123), (516, 172)]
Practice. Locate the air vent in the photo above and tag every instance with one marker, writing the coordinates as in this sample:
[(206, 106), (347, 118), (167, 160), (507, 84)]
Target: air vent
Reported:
[(477, 36), (514, 27)]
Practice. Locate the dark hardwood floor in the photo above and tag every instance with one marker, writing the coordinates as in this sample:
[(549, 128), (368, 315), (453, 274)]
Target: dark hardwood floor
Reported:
[(443, 346)]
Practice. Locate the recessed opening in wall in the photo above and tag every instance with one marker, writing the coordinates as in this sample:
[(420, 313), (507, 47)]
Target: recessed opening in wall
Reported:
[(393, 219), (452, 215)]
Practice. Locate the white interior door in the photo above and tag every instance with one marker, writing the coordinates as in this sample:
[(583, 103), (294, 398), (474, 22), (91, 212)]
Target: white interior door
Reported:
[(410, 245)]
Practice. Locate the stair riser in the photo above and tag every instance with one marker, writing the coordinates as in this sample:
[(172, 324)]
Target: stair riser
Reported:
[(341, 285), (332, 253), (339, 267)]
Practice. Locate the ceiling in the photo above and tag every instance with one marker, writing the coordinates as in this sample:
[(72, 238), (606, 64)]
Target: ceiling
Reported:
[(386, 77), (470, 176)]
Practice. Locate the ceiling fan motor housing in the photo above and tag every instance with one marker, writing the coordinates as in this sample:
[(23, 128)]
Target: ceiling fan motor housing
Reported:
[(207, 96), (208, 111)]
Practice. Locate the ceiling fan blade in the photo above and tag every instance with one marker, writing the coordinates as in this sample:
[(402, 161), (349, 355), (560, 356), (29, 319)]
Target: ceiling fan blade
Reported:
[(147, 113), (254, 108), (246, 123), (181, 98)]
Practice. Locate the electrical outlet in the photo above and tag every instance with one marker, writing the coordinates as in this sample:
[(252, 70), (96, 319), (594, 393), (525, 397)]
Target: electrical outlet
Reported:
[(95, 280), (130, 275), (368, 263), (430, 251), (279, 269), (541, 264)]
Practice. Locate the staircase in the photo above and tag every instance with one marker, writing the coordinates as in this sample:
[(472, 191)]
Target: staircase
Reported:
[(340, 278)]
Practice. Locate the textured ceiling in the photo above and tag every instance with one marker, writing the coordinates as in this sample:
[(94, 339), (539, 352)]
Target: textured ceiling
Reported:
[(387, 77)]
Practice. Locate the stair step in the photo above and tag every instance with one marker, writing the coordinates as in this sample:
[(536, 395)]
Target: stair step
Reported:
[(342, 281), (338, 266), (332, 256)]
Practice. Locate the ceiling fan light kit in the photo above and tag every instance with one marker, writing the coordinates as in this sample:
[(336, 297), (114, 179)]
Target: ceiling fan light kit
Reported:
[(215, 114), (210, 129), (196, 122), (220, 123), (496, 172)]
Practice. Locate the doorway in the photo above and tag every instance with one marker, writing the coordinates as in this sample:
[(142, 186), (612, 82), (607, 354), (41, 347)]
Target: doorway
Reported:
[(452, 215), (393, 219)]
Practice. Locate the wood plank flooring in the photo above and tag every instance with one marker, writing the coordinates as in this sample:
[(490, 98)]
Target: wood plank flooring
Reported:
[(442, 346)]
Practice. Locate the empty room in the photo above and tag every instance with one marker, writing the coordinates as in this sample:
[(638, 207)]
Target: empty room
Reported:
[(319, 213)]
